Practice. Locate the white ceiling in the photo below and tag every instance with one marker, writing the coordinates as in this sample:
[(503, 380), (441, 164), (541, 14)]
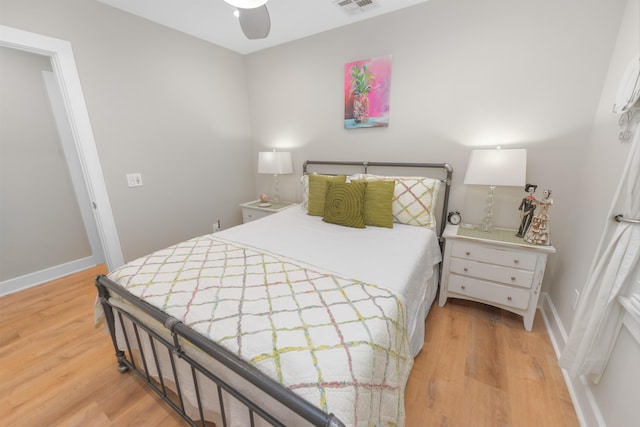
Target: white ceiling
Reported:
[(213, 20)]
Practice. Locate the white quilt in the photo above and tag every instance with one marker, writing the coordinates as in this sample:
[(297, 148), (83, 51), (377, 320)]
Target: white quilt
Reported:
[(338, 342), (403, 259)]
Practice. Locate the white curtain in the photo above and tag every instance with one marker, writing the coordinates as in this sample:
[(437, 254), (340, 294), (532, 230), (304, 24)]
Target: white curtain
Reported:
[(614, 270)]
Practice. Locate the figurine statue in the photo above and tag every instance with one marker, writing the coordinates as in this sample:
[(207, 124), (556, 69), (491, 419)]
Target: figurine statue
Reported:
[(538, 232), (527, 206)]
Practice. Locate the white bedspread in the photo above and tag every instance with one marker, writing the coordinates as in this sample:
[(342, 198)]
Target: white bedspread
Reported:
[(338, 342), (402, 259)]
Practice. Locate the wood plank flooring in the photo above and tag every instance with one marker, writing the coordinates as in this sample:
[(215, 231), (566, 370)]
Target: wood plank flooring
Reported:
[(478, 368)]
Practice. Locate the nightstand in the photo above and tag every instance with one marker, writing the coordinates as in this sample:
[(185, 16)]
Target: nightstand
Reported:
[(251, 211), (495, 268)]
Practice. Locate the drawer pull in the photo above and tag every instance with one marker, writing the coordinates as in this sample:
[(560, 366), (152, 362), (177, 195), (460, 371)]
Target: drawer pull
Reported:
[(509, 298), (463, 287), (465, 269), (468, 253), (513, 279), (515, 261)]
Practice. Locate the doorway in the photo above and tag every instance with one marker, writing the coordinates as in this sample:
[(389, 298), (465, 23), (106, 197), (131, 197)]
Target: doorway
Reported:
[(79, 128)]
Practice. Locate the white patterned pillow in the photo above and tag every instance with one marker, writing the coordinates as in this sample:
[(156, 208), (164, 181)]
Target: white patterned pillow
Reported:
[(304, 179), (414, 198)]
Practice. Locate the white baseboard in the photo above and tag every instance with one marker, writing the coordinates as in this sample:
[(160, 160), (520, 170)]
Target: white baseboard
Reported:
[(584, 402), (33, 279)]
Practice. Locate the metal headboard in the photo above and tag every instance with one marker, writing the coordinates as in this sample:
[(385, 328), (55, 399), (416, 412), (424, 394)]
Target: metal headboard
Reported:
[(446, 167)]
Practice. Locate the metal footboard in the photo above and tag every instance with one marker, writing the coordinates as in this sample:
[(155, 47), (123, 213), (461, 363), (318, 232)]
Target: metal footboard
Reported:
[(145, 346)]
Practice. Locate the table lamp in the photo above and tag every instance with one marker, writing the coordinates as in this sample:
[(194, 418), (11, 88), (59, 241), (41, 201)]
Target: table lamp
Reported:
[(496, 168), (246, 4), (275, 163)]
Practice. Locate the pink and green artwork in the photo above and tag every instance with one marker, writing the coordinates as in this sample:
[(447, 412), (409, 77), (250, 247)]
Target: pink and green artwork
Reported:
[(366, 92)]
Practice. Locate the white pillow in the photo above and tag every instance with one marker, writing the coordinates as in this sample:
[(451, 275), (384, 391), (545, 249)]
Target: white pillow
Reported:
[(414, 198), (304, 179)]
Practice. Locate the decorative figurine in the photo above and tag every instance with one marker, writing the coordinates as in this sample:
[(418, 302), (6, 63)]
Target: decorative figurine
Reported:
[(527, 206), (538, 232), (264, 198)]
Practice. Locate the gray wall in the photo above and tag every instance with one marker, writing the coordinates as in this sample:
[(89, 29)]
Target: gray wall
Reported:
[(465, 74), (469, 74), (617, 393), (40, 222), (603, 159), (161, 103)]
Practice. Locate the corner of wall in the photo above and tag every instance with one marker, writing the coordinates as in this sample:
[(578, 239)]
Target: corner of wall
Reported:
[(584, 402)]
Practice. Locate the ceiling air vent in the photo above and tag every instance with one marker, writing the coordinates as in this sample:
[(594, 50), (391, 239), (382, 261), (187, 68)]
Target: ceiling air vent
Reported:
[(351, 7)]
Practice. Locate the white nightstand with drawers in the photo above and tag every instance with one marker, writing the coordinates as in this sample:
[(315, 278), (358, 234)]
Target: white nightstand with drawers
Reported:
[(495, 268), (253, 210)]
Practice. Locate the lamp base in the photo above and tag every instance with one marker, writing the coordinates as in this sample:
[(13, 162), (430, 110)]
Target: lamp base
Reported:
[(487, 221), (276, 189)]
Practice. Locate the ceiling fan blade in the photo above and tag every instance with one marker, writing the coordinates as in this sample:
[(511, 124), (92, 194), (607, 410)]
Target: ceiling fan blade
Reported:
[(255, 23)]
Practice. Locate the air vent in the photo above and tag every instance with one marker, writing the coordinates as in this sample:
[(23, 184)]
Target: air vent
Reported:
[(351, 7)]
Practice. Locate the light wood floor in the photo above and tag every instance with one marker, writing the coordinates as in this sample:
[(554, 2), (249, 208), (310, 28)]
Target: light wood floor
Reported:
[(478, 368)]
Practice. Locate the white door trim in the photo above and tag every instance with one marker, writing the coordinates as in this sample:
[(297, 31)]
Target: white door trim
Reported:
[(64, 68), (73, 165)]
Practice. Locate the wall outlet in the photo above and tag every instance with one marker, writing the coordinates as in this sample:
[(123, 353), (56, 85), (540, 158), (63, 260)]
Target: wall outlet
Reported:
[(134, 179), (576, 298)]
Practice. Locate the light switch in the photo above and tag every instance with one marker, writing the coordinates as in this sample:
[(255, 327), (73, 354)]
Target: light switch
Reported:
[(134, 179)]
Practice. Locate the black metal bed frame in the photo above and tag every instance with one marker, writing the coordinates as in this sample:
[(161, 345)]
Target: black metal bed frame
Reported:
[(172, 344)]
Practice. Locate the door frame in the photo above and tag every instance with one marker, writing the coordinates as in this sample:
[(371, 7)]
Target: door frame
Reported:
[(66, 73)]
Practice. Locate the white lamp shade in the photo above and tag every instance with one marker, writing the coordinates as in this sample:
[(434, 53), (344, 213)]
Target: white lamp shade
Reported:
[(274, 162), (497, 167), (246, 4)]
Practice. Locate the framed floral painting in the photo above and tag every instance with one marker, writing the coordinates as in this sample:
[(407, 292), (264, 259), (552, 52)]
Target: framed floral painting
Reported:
[(366, 93)]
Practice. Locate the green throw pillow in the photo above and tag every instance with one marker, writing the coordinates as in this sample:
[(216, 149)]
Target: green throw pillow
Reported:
[(344, 204), (318, 192), (377, 203)]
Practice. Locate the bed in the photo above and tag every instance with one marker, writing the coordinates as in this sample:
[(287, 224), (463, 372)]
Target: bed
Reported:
[(296, 318)]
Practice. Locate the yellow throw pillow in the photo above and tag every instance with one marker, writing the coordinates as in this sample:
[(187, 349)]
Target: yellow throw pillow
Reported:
[(378, 200), (344, 204), (318, 192)]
